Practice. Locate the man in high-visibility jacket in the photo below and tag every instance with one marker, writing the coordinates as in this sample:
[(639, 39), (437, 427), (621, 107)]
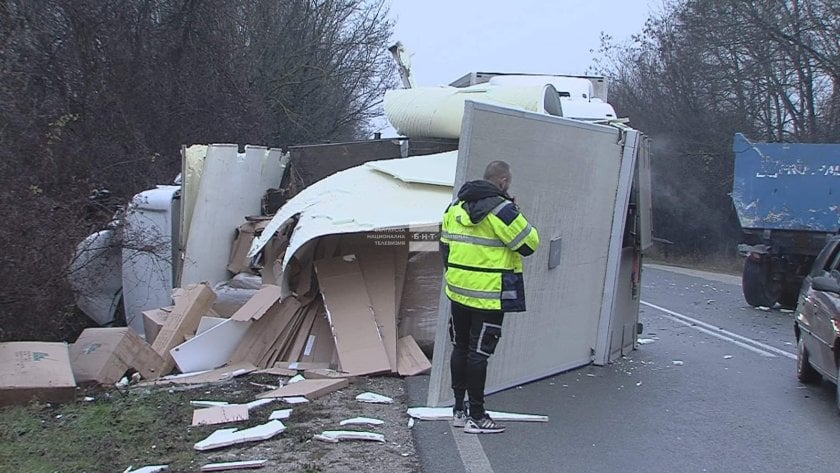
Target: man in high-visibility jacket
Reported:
[(483, 239)]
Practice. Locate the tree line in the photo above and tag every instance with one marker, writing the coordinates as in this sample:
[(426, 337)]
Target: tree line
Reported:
[(703, 70), (97, 97)]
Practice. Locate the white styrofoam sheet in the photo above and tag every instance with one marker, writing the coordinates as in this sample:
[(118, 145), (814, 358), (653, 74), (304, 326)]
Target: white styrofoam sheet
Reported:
[(419, 171), (363, 199), (231, 189), (565, 176), (210, 349)]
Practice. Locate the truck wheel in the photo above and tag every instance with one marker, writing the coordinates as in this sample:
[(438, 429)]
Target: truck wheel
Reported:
[(804, 371), (756, 284)]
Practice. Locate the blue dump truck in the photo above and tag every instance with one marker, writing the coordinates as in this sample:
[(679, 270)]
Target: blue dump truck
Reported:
[(787, 197)]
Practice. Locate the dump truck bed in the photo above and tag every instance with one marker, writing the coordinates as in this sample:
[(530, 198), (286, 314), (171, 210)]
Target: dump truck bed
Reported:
[(784, 186)]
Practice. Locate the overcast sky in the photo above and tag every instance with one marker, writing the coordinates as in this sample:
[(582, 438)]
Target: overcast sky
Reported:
[(450, 38)]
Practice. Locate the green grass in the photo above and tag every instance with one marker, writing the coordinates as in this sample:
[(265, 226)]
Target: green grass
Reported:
[(106, 435)]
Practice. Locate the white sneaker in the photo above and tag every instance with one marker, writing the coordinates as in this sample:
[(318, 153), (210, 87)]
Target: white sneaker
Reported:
[(459, 418), (485, 425)]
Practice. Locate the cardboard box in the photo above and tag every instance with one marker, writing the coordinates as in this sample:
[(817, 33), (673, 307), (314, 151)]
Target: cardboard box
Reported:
[(35, 370), (103, 355), (193, 304), (153, 320)]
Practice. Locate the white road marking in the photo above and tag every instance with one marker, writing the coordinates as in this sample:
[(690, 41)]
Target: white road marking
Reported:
[(739, 340), (471, 451)]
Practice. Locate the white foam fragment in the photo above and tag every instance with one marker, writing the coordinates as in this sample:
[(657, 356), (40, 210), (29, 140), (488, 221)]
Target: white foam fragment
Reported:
[(645, 341), (148, 469), (334, 436), (240, 465), (295, 400), (280, 414), (296, 379), (374, 398), (226, 437), (202, 403), (445, 413), (260, 402), (677, 363), (362, 421)]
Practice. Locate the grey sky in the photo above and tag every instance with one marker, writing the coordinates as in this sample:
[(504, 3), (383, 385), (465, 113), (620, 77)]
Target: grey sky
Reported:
[(450, 38)]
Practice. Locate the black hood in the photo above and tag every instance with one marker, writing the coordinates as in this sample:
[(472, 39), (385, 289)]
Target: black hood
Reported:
[(480, 197)]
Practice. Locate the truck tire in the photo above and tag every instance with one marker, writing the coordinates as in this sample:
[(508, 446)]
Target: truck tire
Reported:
[(756, 284)]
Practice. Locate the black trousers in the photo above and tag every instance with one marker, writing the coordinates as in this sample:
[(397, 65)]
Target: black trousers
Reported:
[(474, 334)]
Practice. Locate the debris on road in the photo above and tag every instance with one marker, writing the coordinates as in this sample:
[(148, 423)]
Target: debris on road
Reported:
[(362, 421), (240, 465), (226, 437), (374, 398), (334, 436), (445, 413)]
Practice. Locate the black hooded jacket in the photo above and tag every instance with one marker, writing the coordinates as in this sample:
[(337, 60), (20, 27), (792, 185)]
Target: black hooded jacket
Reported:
[(480, 197)]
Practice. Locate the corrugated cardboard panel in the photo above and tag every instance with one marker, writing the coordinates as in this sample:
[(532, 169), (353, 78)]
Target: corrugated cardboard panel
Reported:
[(357, 338), (262, 333), (411, 360), (258, 304), (35, 370), (220, 414), (193, 304), (301, 337), (320, 345), (153, 321), (103, 355), (565, 177), (379, 274)]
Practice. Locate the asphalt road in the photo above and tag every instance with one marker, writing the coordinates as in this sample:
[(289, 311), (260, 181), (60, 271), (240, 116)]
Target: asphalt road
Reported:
[(730, 403)]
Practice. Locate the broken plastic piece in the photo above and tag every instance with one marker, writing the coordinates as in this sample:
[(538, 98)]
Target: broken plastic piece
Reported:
[(296, 379), (280, 414), (240, 465), (148, 469), (362, 421), (225, 437), (374, 398), (333, 436), (445, 413)]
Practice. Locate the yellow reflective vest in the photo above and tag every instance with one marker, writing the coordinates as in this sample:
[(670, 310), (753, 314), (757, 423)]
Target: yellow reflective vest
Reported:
[(483, 241)]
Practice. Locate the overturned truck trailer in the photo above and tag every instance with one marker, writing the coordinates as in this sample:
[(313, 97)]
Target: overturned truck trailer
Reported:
[(584, 185)]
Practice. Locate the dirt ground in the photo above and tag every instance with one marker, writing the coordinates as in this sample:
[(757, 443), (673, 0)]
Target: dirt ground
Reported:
[(295, 450)]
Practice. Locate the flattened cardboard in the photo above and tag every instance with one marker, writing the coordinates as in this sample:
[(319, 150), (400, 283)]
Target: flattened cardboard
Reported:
[(153, 321), (220, 414), (103, 355), (35, 370), (356, 334), (273, 253), (379, 274), (410, 359), (261, 335), (325, 373), (309, 388), (302, 365), (258, 304), (189, 308), (303, 337), (239, 260), (320, 345)]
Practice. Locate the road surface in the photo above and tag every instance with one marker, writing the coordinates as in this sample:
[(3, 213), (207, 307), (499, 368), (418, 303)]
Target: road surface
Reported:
[(712, 389)]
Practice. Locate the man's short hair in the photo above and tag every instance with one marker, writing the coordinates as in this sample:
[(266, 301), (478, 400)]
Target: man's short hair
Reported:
[(496, 170)]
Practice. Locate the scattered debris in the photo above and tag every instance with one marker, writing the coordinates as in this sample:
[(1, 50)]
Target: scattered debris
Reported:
[(220, 414), (764, 308), (445, 413), (35, 370), (295, 400), (295, 379), (374, 398), (280, 414), (104, 355), (677, 363), (727, 357), (362, 421), (334, 436), (645, 341), (226, 437), (240, 465), (148, 469), (200, 403), (309, 388)]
